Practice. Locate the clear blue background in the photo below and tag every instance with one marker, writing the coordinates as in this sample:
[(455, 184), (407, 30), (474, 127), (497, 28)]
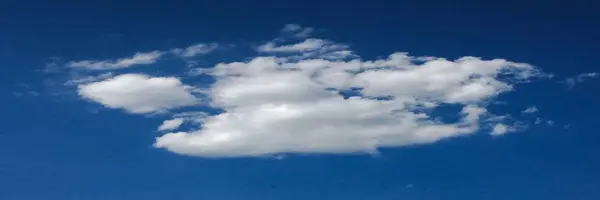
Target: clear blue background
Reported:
[(54, 147)]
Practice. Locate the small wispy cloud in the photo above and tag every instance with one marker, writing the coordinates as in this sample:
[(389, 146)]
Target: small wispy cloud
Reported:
[(137, 59), (88, 79), (572, 81), (52, 65), (297, 31), (307, 45), (309, 48), (195, 50), (530, 109), (26, 93), (23, 89), (171, 124), (142, 58), (502, 128), (539, 121)]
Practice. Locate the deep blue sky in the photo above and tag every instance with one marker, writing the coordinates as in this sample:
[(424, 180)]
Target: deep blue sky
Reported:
[(54, 147)]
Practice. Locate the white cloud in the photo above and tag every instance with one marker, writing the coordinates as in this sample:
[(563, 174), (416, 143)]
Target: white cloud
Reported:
[(296, 99), (195, 50), (310, 44), (192, 116), (274, 105), (171, 124), (497, 118), (500, 129), (138, 93), (572, 81), (530, 109), (310, 48), (338, 55), (136, 59)]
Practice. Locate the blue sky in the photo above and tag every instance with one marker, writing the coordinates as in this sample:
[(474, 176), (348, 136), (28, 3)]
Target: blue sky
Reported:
[(299, 100)]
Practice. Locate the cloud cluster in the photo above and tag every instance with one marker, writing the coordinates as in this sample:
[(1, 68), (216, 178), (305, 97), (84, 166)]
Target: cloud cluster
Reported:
[(317, 96), (274, 105)]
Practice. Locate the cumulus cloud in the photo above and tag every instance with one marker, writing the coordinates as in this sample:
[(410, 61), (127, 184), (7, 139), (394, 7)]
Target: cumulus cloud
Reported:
[(572, 81), (136, 59), (530, 109), (171, 124), (138, 93), (314, 96), (276, 105)]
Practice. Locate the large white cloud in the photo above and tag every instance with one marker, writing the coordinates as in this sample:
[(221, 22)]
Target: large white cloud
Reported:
[(274, 105), (138, 93), (315, 96)]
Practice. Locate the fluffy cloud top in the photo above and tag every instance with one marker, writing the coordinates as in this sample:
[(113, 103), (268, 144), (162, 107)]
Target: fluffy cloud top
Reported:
[(137, 59), (274, 105), (138, 93), (171, 124)]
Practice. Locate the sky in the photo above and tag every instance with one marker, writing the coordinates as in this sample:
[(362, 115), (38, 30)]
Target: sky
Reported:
[(296, 100)]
